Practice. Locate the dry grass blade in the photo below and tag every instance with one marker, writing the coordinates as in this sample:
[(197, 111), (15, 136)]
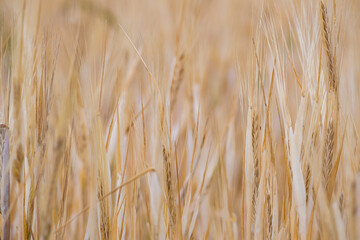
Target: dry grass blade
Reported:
[(106, 195)]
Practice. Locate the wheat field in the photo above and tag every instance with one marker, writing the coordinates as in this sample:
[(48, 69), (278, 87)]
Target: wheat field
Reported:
[(180, 119)]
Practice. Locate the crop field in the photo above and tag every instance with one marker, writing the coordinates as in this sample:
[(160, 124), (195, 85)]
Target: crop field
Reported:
[(180, 119)]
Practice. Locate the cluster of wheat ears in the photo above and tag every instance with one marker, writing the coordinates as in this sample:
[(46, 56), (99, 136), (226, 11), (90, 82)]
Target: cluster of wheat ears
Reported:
[(188, 119)]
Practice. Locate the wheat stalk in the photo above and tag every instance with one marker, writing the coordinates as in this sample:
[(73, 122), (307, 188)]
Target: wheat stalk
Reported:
[(255, 128), (169, 191), (5, 180)]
